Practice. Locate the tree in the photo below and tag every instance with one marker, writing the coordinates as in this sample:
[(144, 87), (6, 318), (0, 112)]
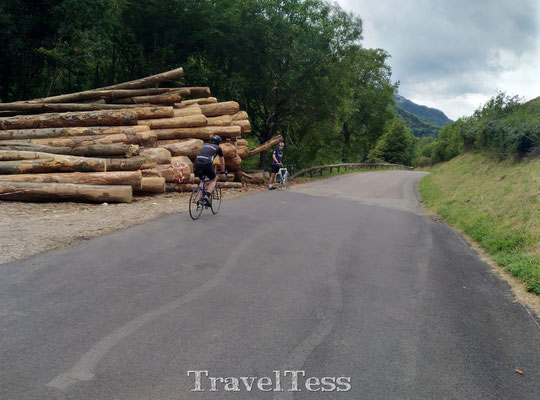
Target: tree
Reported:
[(395, 146)]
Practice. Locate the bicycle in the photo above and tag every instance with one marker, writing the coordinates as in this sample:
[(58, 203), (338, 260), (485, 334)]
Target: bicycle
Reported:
[(196, 202), (282, 179)]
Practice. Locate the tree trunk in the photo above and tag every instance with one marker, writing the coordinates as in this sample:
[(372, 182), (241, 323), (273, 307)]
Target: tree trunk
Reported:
[(37, 108), (129, 164), (15, 155), (153, 112), (166, 98), (149, 80), (195, 91), (132, 178), (203, 132), (24, 191), (99, 150), (147, 138), (223, 120), (217, 109), (176, 122), (158, 155), (244, 125), (189, 148), (153, 184), (20, 134), (72, 119), (186, 103), (193, 109), (56, 164), (272, 142)]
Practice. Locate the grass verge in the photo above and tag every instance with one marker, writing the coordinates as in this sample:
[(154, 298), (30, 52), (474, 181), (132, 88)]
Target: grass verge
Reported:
[(496, 204)]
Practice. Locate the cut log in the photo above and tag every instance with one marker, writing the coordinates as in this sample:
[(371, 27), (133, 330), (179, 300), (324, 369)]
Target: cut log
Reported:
[(37, 108), (243, 124), (223, 120), (176, 122), (195, 91), (232, 164), (85, 118), (96, 150), (14, 155), (242, 143), (165, 98), (19, 134), (25, 191), (189, 148), (158, 155), (55, 164), (243, 152), (256, 178), (149, 80), (147, 138), (180, 187), (239, 116), (228, 149), (217, 109), (203, 132), (97, 94), (186, 103), (129, 164), (194, 109), (265, 146), (153, 112), (132, 178), (153, 184), (170, 172)]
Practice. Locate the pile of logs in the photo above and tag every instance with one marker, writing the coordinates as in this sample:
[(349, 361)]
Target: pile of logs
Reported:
[(105, 144)]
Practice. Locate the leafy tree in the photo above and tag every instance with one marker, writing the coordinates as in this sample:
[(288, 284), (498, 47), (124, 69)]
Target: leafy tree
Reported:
[(395, 146)]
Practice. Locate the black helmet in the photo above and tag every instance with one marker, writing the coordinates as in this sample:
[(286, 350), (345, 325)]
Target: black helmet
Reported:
[(216, 139)]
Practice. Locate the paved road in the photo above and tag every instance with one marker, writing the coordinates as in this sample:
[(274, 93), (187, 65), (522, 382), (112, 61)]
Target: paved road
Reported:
[(338, 279)]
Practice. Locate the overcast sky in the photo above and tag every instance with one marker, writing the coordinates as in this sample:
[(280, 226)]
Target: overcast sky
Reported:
[(455, 55)]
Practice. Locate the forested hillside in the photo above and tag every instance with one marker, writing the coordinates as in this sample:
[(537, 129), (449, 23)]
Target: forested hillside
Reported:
[(433, 115), (420, 127), (296, 66)]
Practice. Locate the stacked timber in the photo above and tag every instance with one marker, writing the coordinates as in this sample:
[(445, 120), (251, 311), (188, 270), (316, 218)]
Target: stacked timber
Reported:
[(106, 143)]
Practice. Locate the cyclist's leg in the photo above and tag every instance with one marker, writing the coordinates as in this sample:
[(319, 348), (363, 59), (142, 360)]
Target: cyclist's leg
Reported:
[(210, 185)]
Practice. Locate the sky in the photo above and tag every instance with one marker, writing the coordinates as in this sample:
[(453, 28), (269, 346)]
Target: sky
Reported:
[(456, 55)]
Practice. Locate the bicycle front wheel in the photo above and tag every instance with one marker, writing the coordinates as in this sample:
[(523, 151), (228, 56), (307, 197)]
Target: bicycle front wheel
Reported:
[(196, 204), (216, 200)]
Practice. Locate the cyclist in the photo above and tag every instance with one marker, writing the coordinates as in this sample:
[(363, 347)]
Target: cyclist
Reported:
[(277, 154), (204, 167)]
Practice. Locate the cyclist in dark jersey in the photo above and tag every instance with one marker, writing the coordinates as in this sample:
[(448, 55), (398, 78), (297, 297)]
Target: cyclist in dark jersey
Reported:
[(277, 154), (204, 167)]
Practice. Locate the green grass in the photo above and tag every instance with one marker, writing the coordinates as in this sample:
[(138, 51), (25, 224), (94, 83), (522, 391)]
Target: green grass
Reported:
[(496, 204)]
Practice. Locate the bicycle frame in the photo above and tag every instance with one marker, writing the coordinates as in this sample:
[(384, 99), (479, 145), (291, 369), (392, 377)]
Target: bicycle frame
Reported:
[(282, 175)]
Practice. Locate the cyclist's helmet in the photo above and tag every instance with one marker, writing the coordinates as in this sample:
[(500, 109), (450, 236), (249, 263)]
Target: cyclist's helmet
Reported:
[(216, 139), (281, 144)]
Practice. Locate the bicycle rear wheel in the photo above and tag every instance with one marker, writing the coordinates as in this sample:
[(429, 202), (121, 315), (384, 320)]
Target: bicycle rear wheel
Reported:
[(196, 204), (216, 200)]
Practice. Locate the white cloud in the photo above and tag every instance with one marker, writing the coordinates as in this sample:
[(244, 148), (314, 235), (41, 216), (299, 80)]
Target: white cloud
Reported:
[(455, 55)]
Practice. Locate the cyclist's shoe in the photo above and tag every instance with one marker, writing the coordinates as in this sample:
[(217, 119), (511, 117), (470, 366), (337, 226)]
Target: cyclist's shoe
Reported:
[(206, 200), (272, 188)]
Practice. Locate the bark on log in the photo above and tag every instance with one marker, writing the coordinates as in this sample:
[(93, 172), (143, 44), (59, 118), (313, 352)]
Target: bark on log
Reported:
[(176, 122), (256, 178), (66, 191), (223, 120), (158, 155), (239, 116), (194, 109), (79, 119), (217, 109), (189, 148), (55, 164), (169, 171), (129, 164), (243, 124), (242, 143), (231, 164), (96, 150), (243, 152), (14, 155), (180, 187), (186, 103), (132, 178), (147, 138), (228, 149), (153, 112), (165, 98), (195, 91), (19, 134), (37, 108), (149, 80), (153, 184), (272, 142), (180, 133)]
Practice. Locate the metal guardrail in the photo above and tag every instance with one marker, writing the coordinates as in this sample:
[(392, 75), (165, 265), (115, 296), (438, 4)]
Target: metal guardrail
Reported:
[(320, 168)]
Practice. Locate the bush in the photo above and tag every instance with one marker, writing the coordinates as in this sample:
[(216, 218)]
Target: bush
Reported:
[(423, 161)]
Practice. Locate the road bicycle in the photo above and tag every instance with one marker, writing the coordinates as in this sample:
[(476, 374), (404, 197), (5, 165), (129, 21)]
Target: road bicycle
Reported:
[(197, 204), (282, 179)]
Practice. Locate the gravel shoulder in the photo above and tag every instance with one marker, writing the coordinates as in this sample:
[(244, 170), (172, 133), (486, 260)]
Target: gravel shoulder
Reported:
[(31, 228)]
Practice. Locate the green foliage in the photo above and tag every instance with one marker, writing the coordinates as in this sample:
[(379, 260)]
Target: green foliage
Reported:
[(503, 128), (296, 66), (419, 127), (395, 146), (429, 114)]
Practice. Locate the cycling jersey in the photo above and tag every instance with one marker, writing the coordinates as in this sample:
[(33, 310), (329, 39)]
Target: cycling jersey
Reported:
[(208, 153), (278, 153)]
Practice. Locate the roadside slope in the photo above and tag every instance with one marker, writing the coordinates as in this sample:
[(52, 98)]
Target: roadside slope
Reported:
[(496, 204)]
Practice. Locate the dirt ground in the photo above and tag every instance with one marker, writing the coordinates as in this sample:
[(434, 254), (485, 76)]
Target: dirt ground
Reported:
[(31, 228)]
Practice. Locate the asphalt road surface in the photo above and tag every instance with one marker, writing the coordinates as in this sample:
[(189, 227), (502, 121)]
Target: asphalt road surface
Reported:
[(345, 280)]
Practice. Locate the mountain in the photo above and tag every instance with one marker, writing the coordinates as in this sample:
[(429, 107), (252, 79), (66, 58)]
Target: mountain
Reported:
[(419, 127), (431, 114)]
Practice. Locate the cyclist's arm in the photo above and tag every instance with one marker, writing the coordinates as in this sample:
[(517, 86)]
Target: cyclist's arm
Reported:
[(222, 162)]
